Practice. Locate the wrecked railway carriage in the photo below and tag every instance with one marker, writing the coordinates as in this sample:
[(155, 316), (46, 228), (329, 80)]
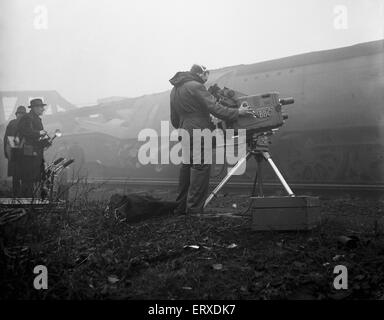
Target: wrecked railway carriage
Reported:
[(334, 134)]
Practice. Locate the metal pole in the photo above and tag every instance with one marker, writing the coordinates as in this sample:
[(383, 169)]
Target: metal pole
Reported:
[(267, 156), (224, 181)]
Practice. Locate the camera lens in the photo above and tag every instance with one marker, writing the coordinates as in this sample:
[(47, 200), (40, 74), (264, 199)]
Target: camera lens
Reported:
[(286, 101)]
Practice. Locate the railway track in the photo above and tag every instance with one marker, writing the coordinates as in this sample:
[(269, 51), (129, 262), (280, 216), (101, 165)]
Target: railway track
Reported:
[(377, 189), (245, 187)]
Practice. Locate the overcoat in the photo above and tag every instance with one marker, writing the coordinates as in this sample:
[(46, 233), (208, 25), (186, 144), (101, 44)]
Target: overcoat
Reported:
[(31, 162)]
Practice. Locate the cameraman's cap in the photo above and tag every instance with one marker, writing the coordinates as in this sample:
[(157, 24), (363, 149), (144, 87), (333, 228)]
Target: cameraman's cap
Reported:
[(20, 109), (199, 69), (36, 103)]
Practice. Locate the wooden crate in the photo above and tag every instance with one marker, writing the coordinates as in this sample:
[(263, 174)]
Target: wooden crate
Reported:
[(285, 213)]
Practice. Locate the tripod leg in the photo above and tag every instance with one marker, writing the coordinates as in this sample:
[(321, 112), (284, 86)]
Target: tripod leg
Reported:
[(224, 181), (267, 156), (253, 192), (254, 185), (259, 160)]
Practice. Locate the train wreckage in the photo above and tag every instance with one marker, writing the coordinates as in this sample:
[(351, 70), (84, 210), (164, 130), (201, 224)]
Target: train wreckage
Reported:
[(335, 132)]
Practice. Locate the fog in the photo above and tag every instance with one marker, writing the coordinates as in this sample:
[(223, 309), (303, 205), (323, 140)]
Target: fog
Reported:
[(92, 49)]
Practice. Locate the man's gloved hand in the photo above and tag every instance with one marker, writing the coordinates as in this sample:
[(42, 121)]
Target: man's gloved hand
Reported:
[(245, 109), (42, 133)]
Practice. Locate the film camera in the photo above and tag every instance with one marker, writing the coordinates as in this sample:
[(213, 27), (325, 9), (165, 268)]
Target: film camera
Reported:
[(266, 118), (266, 109)]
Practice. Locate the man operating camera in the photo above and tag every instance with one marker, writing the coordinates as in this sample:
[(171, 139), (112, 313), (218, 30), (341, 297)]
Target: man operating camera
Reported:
[(191, 106)]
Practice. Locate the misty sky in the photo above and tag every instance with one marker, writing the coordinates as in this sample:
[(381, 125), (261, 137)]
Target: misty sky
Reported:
[(89, 49)]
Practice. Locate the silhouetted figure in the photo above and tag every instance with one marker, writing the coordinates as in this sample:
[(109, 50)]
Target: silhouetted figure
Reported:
[(11, 153), (191, 106), (31, 129)]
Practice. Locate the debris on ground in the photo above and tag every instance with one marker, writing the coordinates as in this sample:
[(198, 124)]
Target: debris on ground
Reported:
[(96, 253)]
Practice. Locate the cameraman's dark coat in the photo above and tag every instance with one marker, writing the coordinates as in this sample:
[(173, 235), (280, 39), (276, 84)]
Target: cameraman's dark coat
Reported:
[(31, 161), (191, 104)]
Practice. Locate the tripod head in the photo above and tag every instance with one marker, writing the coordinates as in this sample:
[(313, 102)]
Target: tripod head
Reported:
[(259, 142)]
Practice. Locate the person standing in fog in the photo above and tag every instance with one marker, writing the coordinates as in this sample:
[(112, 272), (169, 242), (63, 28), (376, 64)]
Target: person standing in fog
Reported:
[(31, 129), (11, 153), (191, 105)]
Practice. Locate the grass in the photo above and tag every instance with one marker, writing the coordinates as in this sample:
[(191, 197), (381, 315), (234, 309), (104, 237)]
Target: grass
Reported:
[(92, 255)]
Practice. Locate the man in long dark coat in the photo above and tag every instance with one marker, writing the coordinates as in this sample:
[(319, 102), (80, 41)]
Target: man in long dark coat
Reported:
[(35, 138), (11, 154), (191, 106)]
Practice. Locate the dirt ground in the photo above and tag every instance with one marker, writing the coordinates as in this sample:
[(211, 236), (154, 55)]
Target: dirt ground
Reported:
[(93, 255)]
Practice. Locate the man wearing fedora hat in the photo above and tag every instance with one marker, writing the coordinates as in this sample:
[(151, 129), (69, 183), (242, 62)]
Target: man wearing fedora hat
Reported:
[(31, 130), (11, 153)]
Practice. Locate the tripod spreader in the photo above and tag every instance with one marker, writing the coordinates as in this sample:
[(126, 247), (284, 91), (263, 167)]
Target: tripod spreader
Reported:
[(257, 154), (224, 181)]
